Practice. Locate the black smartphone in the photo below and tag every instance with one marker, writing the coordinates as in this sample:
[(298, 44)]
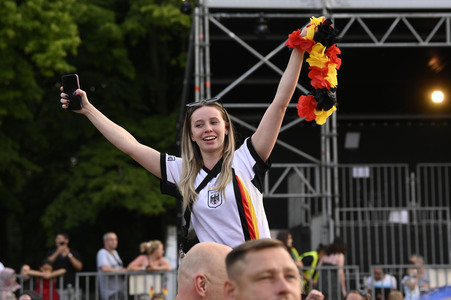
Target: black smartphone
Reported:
[(70, 85)]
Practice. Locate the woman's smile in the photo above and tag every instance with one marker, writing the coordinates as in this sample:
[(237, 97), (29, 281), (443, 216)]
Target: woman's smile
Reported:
[(208, 129)]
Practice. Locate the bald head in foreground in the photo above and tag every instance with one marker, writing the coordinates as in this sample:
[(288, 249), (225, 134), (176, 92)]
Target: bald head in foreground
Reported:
[(262, 270), (202, 272)]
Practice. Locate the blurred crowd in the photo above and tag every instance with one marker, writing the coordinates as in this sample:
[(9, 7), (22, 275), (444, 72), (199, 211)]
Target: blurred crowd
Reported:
[(318, 273), (54, 278)]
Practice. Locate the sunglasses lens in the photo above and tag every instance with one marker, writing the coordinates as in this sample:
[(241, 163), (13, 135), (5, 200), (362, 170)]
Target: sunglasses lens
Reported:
[(196, 103)]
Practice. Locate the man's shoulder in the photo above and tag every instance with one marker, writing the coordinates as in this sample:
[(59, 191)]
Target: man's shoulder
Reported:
[(102, 251), (391, 277), (50, 252)]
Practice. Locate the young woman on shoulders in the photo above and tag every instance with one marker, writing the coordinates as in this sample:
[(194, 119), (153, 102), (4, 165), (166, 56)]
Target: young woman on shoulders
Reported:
[(229, 209)]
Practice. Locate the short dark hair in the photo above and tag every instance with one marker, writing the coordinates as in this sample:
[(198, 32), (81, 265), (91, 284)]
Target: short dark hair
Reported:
[(362, 293), (240, 251), (158, 295), (33, 295), (321, 247), (337, 246), (46, 261), (283, 236), (64, 234)]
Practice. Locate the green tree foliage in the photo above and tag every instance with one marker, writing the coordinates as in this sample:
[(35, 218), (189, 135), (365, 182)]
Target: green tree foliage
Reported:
[(57, 173), (32, 44)]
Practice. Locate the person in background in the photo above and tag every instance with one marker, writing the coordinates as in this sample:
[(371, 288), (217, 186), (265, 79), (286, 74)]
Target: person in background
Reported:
[(381, 283), (159, 296), (8, 284), (46, 279), (381, 280), (262, 270), (332, 282), (63, 257), (112, 286), (313, 295), (395, 295), (423, 274), (202, 272), (152, 258), (358, 295), (410, 284), (311, 259), (29, 295), (287, 239)]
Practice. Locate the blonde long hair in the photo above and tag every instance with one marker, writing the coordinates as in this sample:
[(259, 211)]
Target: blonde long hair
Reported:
[(192, 161), (150, 246)]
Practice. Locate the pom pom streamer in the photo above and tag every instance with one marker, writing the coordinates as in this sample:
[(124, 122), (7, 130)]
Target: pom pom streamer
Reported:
[(320, 43)]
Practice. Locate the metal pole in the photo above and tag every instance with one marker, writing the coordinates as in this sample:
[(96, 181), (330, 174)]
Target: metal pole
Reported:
[(335, 172), (207, 53), (202, 52), (329, 182), (197, 61)]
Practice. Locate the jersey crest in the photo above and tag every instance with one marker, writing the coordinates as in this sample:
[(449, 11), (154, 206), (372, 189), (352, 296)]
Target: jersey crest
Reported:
[(214, 198)]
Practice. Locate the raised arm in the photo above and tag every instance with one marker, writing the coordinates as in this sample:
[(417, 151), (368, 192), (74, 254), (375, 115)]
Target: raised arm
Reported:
[(46, 275), (266, 134), (341, 274), (161, 264), (138, 264), (56, 273), (148, 157)]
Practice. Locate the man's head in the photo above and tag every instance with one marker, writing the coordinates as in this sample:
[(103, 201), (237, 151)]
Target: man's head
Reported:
[(262, 269), (417, 259), (202, 272), (395, 295), (358, 295), (46, 266), (30, 295), (159, 296), (110, 241), (62, 239), (321, 250), (378, 274)]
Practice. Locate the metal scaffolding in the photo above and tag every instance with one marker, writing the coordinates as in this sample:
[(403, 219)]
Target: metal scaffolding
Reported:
[(378, 29)]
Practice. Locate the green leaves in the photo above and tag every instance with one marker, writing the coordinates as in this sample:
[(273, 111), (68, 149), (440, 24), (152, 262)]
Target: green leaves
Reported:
[(49, 34), (103, 177), (148, 15), (54, 165)]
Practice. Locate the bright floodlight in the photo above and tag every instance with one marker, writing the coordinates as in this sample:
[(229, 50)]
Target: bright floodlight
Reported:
[(437, 96)]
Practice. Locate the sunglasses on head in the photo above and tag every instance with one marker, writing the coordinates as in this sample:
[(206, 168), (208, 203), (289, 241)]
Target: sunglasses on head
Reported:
[(202, 102)]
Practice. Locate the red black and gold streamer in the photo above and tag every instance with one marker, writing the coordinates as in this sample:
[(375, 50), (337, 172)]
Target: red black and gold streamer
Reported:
[(320, 42)]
